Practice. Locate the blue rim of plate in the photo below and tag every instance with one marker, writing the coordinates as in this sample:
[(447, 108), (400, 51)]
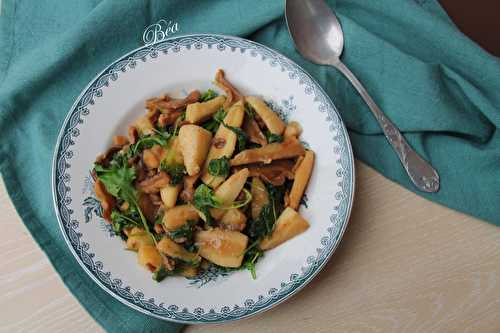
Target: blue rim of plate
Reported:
[(135, 299)]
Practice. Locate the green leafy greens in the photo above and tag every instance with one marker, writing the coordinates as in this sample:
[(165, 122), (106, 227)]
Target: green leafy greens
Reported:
[(161, 273), (148, 141), (208, 95), (213, 124), (263, 226), (271, 138), (219, 167), (118, 180), (120, 221), (249, 111), (185, 231), (176, 171), (240, 135), (204, 199)]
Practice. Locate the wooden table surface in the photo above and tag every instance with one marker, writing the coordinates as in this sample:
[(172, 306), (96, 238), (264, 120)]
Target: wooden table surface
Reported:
[(405, 265)]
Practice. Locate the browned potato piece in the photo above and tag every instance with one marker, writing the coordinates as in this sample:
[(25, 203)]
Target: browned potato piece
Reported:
[(260, 197), (224, 135), (302, 175), (293, 129), (176, 251), (222, 247), (199, 112), (273, 122), (137, 237), (177, 216), (169, 195), (150, 159), (149, 257), (229, 191), (288, 225), (175, 150), (273, 151), (144, 125), (234, 219), (194, 142)]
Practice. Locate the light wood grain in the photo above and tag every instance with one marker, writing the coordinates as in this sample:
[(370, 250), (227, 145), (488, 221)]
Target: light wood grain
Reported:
[(405, 265)]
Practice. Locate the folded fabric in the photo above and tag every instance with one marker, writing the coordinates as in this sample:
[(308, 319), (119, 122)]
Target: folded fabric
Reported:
[(440, 88)]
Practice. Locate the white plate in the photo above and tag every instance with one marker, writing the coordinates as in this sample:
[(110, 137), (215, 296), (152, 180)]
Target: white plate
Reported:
[(116, 96)]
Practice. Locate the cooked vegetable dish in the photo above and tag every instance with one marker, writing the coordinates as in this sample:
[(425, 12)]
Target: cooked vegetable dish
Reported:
[(204, 180)]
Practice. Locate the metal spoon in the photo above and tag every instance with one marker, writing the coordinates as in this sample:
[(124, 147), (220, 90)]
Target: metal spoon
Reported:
[(318, 36)]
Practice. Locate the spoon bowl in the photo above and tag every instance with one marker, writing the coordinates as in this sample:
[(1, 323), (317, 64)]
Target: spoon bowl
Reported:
[(321, 42), (318, 36)]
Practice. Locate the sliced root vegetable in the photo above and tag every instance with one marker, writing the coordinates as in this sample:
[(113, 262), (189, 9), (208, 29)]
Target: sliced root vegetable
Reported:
[(302, 175), (174, 152), (176, 217), (270, 118), (260, 197), (234, 219), (194, 142), (288, 225), (137, 238), (228, 191), (149, 257), (176, 251), (199, 112), (222, 247), (169, 195), (274, 151), (233, 118)]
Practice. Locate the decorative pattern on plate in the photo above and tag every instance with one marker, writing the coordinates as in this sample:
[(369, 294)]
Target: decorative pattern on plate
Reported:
[(209, 275), (136, 299), (92, 207), (285, 108)]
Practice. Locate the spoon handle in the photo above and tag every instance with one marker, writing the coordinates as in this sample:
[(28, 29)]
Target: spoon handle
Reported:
[(422, 174)]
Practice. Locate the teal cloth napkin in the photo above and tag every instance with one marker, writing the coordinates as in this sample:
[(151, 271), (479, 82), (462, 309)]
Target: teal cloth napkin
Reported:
[(440, 88)]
